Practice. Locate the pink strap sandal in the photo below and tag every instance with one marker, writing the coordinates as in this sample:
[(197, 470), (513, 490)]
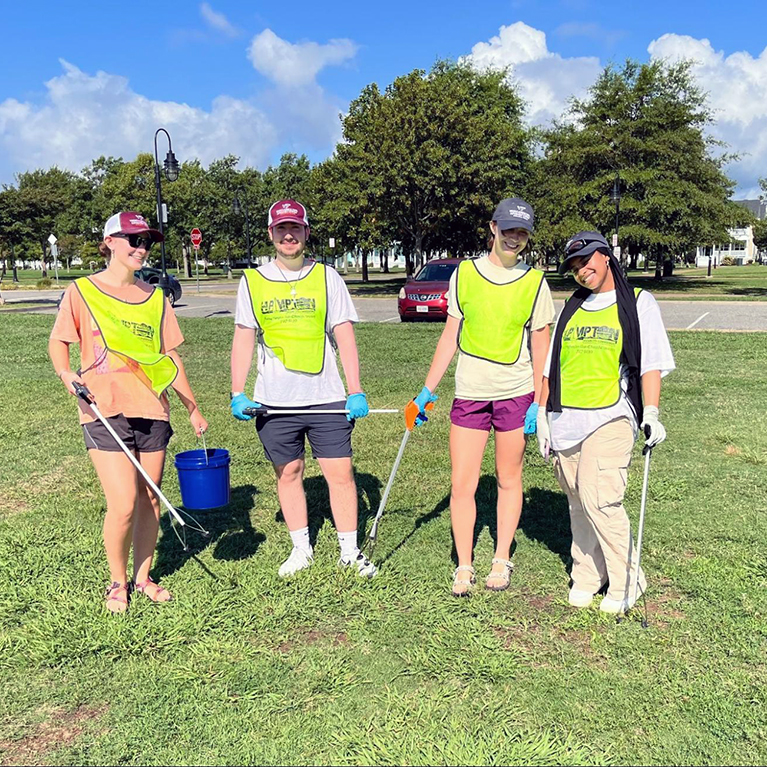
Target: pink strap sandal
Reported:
[(156, 596), (117, 592)]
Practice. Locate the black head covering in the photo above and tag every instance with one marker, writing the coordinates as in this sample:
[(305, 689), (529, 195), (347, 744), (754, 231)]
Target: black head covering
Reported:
[(631, 355)]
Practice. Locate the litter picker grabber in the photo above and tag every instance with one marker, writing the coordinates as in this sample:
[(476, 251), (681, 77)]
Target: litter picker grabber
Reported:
[(647, 453), (411, 413), (304, 411), (176, 515)]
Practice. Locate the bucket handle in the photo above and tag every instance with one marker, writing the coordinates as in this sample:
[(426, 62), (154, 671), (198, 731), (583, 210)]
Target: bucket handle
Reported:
[(204, 446)]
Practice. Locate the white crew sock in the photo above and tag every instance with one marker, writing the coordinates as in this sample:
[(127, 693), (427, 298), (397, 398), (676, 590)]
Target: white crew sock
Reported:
[(348, 544), (300, 539)]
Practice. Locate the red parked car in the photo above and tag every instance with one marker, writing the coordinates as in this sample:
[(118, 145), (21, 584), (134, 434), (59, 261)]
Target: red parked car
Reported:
[(424, 296)]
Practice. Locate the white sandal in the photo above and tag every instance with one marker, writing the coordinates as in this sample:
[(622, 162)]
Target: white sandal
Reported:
[(504, 575), (465, 583)]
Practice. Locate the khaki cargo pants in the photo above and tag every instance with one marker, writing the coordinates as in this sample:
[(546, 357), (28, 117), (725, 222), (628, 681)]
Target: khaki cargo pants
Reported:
[(593, 474)]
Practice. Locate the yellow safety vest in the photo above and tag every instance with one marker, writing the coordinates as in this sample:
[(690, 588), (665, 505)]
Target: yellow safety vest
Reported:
[(132, 331), (292, 326), (495, 315), (590, 360)]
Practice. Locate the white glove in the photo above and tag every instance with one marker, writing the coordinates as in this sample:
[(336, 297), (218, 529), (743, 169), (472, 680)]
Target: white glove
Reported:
[(543, 433), (657, 431)]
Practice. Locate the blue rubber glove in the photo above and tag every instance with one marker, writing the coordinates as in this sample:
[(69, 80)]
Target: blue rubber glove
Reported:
[(357, 405), (239, 403), (422, 400), (531, 418)]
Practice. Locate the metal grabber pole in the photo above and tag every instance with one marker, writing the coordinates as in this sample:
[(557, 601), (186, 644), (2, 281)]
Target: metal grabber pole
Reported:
[(84, 394), (411, 413)]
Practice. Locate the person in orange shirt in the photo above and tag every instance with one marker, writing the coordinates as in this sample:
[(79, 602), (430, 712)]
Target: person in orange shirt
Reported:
[(111, 315)]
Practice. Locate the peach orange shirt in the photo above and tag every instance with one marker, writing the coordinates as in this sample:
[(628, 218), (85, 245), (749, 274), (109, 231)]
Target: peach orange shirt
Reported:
[(113, 383)]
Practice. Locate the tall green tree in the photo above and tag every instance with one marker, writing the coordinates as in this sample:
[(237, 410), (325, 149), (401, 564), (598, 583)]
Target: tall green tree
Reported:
[(435, 152), (348, 207), (14, 226), (44, 196), (645, 124)]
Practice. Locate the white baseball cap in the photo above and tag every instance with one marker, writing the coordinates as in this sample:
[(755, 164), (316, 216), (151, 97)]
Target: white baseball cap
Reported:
[(130, 222)]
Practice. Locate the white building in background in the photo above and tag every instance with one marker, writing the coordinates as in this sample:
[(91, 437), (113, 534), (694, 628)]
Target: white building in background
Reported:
[(740, 249)]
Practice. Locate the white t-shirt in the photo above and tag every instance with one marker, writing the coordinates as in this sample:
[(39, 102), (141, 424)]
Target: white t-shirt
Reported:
[(570, 427), (275, 385), (478, 379)]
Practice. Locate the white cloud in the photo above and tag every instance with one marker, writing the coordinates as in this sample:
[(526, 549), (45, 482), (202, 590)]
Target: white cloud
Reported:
[(301, 108), (84, 116), (218, 21), (737, 87), (296, 64), (546, 80)]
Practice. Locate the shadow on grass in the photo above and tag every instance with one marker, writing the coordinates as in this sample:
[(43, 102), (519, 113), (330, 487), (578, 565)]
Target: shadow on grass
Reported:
[(424, 519), (487, 517), (318, 503), (230, 530), (754, 292), (546, 518)]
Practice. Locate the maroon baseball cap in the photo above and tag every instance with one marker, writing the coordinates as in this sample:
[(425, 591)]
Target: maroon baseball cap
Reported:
[(130, 222), (287, 210)]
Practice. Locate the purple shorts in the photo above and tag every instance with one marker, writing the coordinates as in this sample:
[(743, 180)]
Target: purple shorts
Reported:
[(502, 414)]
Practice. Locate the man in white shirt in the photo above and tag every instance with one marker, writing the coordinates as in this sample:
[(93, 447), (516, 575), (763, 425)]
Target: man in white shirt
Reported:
[(298, 311)]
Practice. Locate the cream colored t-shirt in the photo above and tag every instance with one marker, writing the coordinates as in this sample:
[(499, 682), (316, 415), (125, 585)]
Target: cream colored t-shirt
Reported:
[(479, 379)]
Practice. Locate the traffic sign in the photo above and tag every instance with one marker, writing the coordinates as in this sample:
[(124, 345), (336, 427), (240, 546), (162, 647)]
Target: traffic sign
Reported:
[(52, 239), (196, 237)]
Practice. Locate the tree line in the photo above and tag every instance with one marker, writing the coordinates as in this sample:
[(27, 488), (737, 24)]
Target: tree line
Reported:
[(421, 166)]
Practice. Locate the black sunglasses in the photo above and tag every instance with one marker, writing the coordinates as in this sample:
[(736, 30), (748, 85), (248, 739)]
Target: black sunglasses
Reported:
[(577, 245), (137, 240)]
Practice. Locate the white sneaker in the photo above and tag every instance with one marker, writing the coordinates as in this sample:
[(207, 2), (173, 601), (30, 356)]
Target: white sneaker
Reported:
[(578, 598), (299, 559), (616, 606), (620, 606), (365, 567)]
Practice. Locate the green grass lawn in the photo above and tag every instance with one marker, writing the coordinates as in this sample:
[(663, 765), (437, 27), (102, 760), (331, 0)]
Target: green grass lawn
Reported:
[(245, 668)]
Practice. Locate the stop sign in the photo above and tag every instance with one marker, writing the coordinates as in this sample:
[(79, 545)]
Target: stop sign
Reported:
[(196, 237)]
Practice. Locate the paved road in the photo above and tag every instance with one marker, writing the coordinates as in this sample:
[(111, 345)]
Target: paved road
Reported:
[(678, 315)]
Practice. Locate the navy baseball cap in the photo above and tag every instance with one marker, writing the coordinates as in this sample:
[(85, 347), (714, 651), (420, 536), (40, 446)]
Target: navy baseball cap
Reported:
[(514, 213), (583, 244)]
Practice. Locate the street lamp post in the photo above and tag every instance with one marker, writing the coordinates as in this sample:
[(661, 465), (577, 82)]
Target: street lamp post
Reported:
[(615, 197), (171, 170), (238, 207)]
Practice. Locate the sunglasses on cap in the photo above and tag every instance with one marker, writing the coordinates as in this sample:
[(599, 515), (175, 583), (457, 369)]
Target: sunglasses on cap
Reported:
[(137, 240), (576, 245)]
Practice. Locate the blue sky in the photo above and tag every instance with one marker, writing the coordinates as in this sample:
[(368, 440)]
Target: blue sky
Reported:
[(260, 78)]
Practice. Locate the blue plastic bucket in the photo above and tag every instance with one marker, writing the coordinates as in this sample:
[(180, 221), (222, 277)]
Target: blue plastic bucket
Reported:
[(204, 485)]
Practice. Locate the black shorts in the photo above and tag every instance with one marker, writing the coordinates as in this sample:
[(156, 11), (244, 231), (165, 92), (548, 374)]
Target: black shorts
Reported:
[(330, 436), (143, 435)]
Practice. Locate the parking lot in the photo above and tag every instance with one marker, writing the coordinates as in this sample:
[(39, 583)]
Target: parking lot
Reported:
[(216, 301)]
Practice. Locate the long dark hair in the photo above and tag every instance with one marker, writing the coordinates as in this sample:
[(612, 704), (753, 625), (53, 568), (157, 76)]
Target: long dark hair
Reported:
[(631, 354)]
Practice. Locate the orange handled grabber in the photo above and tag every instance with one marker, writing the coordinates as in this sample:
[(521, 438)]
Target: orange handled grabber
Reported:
[(411, 413)]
